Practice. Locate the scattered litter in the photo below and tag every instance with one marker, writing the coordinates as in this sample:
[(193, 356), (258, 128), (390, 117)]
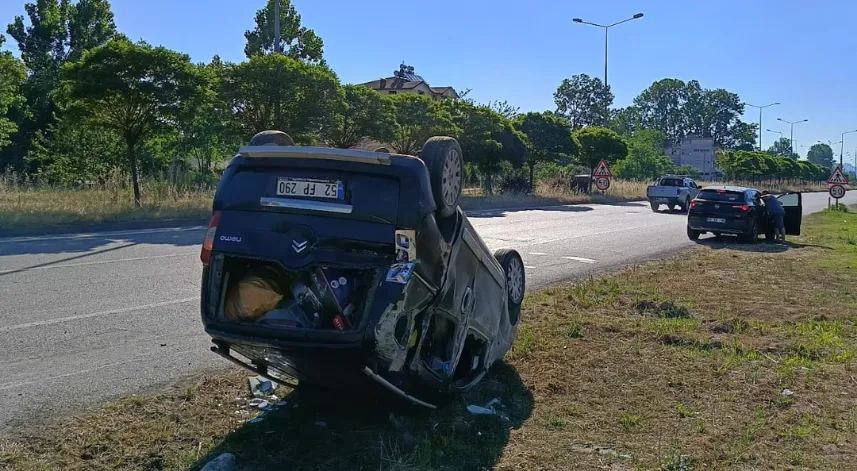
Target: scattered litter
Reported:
[(224, 462), (273, 398), (256, 420), (487, 409), (788, 392), (260, 386), (255, 402), (320, 423), (264, 405), (282, 404)]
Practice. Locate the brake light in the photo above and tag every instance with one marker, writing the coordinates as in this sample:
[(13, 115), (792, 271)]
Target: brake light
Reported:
[(208, 241), (744, 208), (693, 204)]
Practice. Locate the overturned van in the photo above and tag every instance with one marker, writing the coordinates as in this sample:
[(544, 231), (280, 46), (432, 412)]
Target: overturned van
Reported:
[(351, 269)]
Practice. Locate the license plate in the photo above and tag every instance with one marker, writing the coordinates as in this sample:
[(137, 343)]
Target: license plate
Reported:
[(717, 220), (306, 188)]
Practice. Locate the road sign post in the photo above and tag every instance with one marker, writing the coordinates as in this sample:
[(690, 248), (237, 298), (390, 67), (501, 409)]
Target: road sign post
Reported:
[(602, 175), (837, 182)]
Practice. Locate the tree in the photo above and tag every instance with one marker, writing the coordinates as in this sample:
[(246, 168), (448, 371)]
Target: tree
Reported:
[(625, 121), (418, 118), (782, 148), (583, 101), (597, 144), (277, 92), (363, 113), (296, 41), (53, 33), (504, 109), (548, 138), (133, 90), (12, 77), (646, 159), (820, 154)]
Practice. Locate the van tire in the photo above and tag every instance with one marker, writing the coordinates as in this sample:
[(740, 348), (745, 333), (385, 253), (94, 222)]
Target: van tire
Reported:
[(655, 206), (272, 138), (445, 162)]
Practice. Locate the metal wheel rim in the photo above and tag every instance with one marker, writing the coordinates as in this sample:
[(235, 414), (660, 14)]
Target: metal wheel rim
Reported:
[(451, 183), (515, 281)]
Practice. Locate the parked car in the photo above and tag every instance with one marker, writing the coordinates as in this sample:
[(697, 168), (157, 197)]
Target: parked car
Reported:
[(675, 191), (740, 211), (350, 269)]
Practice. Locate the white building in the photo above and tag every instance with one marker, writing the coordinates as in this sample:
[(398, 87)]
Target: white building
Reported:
[(697, 152)]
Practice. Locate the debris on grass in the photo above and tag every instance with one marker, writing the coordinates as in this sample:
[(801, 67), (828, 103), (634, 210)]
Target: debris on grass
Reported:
[(261, 386), (666, 310), (224, 462), (487, 409)]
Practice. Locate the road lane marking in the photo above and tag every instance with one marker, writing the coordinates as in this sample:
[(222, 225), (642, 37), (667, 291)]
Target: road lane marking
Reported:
[(96, 235), (527, 266), (95, 314), (102, 262), (580, 259), (537, 253)]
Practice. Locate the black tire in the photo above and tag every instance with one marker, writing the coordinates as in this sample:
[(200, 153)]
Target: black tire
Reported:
[(272, 138), (752, 237), (655, 206), (516, 281), (692, 234), (445, 162), (683, 206)]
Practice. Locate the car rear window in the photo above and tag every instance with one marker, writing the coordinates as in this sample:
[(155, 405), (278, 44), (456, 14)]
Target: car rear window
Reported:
[(672, 182), (722, 195)]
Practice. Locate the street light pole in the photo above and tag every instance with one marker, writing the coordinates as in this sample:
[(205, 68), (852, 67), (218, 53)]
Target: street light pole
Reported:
[(606, 28), (842, 147), (792, 131), (760, 119), (277, 26)]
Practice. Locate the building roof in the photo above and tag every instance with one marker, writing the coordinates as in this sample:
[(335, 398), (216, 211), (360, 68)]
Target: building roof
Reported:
[(405, 79)]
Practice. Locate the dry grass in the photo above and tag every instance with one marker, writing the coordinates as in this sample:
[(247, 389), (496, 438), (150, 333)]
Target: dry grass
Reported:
[(679, 364), (34, 206)]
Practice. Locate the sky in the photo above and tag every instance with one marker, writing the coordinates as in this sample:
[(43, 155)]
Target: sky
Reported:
[(796, 52)]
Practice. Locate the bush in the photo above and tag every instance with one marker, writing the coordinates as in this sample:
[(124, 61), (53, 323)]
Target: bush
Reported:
[(515, 183)]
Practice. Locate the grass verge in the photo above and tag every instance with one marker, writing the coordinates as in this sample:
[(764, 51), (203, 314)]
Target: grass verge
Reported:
[(28, 206), (730, 357)]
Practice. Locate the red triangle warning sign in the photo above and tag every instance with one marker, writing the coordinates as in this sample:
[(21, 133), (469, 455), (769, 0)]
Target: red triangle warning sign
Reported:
[(837, 177), (602, 170)]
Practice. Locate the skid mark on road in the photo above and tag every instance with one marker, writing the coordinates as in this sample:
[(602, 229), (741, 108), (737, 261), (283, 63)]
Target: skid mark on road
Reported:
[(95, 314)]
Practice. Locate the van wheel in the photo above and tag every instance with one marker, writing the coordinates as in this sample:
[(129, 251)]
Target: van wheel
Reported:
[(655, 206), (444, 159), (516, 282), (272, 138), (692, 234)]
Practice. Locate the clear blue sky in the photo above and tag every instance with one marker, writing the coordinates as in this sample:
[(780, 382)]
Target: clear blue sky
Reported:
[(798, 52)]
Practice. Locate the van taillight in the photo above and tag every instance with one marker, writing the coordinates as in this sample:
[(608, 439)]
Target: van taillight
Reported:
[(208, 241)]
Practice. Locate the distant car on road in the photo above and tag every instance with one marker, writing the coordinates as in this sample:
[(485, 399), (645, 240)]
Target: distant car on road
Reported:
[(675, 191), (739, 211)]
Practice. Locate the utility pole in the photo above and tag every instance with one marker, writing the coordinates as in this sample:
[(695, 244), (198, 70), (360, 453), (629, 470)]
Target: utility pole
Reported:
[(277, 26), (792, 132), (842, 147), (760, 120), (607, 27)]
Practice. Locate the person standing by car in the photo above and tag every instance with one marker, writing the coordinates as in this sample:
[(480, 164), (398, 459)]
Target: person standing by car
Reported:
[(775, 211)]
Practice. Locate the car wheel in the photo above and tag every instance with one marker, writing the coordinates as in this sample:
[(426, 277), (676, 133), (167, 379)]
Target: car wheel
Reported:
[(752, 236), (692, 234), (272, 138), (516, 282), (444, 159), (655, 206)]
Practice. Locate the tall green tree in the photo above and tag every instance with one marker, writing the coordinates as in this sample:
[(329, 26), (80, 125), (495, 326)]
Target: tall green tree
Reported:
[(646, 159), (52, 33), (583, 101), (277, 92), (418, 118), (549, 138), (782, 148), (363, 113), (13, 73), (820, 154), (296, 41), (504, 109), (597, 144), (132, 90)]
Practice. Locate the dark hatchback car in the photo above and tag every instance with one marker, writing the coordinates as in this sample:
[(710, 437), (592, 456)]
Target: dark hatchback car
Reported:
[(349, 269), (739, 211)]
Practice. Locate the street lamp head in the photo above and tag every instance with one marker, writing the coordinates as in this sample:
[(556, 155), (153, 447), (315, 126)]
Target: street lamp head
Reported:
[(577, 20), (779, 119), (803, 121), (638, 16)]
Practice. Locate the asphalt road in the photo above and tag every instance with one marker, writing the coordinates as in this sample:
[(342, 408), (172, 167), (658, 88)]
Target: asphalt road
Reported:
[(90, 316)]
